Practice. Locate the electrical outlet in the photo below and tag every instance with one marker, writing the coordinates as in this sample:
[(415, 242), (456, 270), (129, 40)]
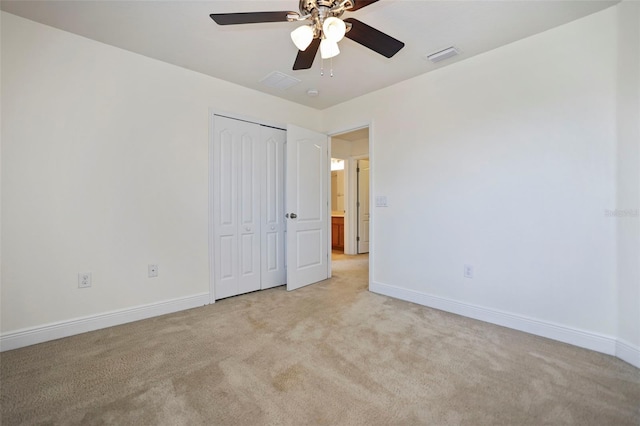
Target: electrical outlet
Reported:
[(84, 279), (468, 271), (153, 271)]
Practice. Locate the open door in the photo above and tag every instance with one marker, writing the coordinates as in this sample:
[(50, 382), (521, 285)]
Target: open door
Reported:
[(363, 206), (306, 207)]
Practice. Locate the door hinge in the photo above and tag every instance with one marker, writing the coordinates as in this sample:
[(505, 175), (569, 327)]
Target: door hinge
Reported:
[(358, 170), (358, 204), (357, 238)]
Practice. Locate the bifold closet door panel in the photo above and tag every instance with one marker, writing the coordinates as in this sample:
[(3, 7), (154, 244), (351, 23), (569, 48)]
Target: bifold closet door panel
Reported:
[(236, 207), (225, 208), (273, 220), (250, 172)]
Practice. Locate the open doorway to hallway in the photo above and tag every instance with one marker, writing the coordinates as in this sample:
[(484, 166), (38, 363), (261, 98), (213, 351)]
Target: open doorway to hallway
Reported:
[(350, 193)]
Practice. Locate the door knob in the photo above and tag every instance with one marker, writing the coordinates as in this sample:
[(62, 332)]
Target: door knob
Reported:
[(293, 216)]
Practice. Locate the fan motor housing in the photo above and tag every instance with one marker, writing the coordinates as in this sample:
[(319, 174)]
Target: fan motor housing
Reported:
[(324, 8)]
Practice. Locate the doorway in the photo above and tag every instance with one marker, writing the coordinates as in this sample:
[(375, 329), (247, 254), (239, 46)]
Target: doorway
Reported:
[(350, 193)]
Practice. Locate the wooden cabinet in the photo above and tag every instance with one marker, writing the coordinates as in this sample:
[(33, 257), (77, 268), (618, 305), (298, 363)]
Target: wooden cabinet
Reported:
[(337, 233)]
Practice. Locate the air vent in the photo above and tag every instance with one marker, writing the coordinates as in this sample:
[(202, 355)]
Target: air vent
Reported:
[(279, 80), (442, 54)]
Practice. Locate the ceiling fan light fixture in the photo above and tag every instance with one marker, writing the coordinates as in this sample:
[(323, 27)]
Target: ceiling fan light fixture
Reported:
[(334, 29), (328, 49), (302, 37), (324, 29)]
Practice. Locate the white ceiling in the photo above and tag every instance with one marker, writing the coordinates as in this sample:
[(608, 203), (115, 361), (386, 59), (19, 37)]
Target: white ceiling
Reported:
[(181, 33)]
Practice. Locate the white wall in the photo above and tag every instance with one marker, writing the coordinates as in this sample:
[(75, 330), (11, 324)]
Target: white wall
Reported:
[(360, 147), (340, 148), (628, 196), (105, 170), (504, 161), (344, 149)]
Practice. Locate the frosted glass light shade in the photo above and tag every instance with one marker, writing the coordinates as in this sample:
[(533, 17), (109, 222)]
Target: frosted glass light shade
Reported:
[(328, 49), (302, 37), (334, 29)]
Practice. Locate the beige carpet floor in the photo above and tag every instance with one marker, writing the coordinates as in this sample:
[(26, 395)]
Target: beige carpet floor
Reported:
[(328, 354)]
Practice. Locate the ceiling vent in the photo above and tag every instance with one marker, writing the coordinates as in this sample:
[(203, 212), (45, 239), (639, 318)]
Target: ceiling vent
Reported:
[(279, 80), (442, 54)]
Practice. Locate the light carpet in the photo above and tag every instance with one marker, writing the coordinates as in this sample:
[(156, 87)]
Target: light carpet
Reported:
[(328, 354)]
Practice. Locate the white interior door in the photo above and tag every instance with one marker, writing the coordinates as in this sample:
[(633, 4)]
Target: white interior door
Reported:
[(307, 207), (236, 207), (363, 206), (273, 220)]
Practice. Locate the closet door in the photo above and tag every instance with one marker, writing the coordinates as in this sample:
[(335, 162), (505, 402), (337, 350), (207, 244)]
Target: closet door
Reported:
[(273, 219), (236, 206)]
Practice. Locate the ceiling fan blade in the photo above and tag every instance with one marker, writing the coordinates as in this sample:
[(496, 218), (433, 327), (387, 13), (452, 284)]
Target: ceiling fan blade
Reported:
[(373, 39), (359, 4), (249, 17), (305, 58)]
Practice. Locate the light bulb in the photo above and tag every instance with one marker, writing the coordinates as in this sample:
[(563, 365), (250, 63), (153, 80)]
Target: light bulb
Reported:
[(328, 48), (302, 37), (334, 29)]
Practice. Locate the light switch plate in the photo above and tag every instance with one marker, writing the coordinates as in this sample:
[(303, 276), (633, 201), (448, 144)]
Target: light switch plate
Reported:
[(381, 201)]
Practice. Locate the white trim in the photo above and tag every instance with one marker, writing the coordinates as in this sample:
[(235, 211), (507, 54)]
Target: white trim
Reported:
[(58, 330), (250, 119), (212, 294), (584, 339), (628, 353), (372, 214), (329, 218)]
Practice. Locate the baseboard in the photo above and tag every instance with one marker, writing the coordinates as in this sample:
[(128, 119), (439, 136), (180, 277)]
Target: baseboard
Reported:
[(45, 333), (573, 336), (628, 353)]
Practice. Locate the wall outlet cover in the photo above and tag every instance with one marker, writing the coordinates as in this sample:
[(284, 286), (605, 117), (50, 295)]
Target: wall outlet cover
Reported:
[(153, 271), (468, 271), (84, 279)]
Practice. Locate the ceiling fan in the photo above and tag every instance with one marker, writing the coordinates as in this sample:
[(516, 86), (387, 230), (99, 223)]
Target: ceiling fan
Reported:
[(324, 30)]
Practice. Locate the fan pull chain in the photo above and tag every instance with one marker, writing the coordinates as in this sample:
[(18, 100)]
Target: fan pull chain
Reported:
[(330, 68)]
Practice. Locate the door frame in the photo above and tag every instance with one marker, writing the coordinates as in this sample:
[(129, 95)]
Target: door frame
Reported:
[(211, 180)]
